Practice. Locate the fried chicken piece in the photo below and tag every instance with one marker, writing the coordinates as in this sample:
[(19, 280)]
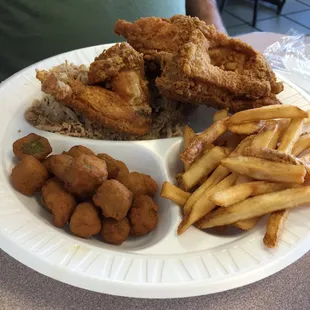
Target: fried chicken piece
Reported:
[(155, 36), (190, 76), (124, 108), (122, 68), (201, 65)]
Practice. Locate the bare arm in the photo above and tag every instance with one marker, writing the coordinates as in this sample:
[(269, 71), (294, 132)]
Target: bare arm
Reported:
[(207, 11)]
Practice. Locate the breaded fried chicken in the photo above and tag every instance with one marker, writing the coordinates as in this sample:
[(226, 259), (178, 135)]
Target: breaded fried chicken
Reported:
[(124, 108), (191, 77), (201, 65), (152, 35)]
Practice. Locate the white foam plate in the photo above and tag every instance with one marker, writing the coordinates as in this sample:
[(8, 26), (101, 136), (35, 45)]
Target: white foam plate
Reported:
[(160, 265)]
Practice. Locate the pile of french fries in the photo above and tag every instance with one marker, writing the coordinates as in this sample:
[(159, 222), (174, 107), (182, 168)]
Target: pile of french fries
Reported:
[(242, 167)]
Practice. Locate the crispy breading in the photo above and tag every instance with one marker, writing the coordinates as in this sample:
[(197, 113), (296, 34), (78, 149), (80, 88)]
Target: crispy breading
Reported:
[(191, 76), (152, 35), (96, 103), (201, 65), (124, 108), (112, 61)]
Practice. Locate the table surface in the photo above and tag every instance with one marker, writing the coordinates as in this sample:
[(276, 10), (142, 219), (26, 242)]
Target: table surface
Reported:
[(24, 288)]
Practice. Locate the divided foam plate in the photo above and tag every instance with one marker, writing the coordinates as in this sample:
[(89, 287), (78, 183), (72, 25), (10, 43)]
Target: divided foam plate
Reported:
[(159, 265)]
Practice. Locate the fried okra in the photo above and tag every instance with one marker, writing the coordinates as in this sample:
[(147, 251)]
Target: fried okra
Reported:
[(115, 232), (60, 165), (140, 184), (114, 199), (47, 163), (58, 200), (143, 215), (112, 166), (81, 175), (33, 145), (85, 221), (123, 170), (77, 150), (86, 174), (29, 175)]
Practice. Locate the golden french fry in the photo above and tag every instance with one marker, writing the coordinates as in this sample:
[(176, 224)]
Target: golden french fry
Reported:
[(273, 155), (204, 150), (173, 193), (219, 115), (203, 166), (246, 128), (301, 144), (263, 138), (246, 142), (204, 205), (276, 219), (188, 135), (306, 158), (243, 179), (291, 135), (287, 144), (199, 141), (307, 120), (265, 170), (282, 126), (239, 192), (267, 137), (257, 206), (276, 156), (248, 223), (217, 176), (268, 112), (207, 148), (238, 151), (274, 227)]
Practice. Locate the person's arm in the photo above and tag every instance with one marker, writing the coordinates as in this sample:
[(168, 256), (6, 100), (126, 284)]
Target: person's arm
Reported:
[(207, 11)]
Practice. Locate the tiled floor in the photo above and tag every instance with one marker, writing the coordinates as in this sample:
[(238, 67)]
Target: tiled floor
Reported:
[(238, 15)]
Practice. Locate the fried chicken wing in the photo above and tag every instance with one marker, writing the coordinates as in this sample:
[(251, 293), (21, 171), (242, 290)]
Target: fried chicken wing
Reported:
[(124, 108)]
